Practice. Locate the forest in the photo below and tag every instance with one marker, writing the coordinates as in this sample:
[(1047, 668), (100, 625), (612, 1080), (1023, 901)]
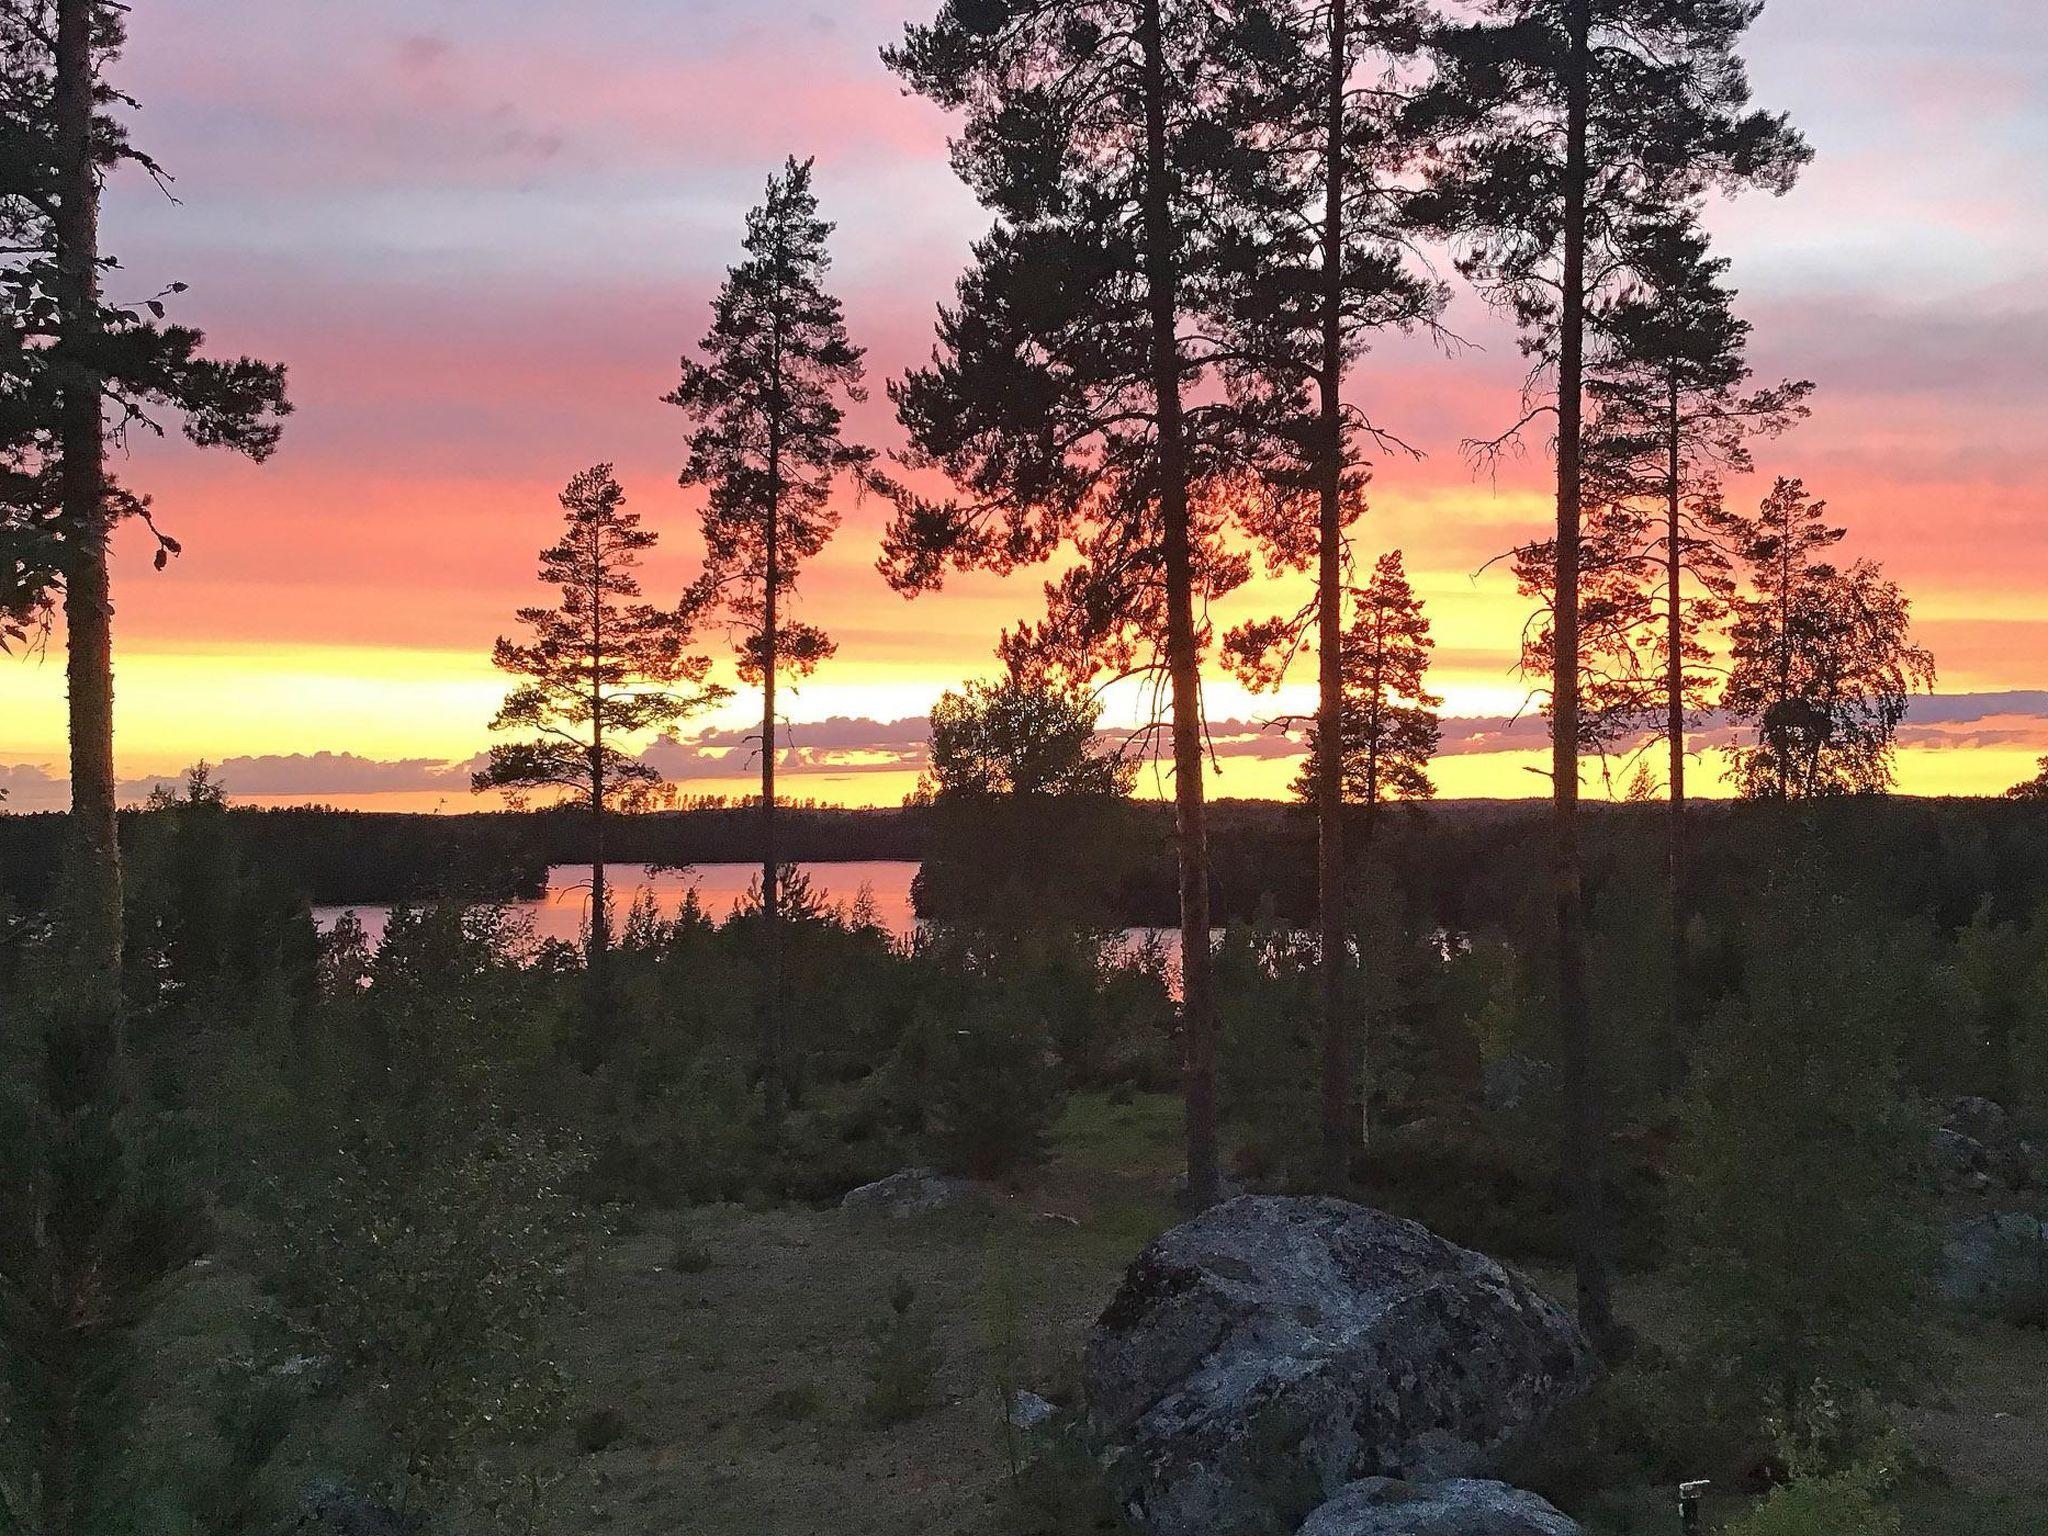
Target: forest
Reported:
[(1667, 1153)]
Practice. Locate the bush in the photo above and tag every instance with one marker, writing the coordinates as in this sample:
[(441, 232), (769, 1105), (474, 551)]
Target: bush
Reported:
[(793, 1405), (428, 1276), (1799, 1166), (903, 1360), (992, 1091), (599, 1430), (690, 1256), (1849, 1503)]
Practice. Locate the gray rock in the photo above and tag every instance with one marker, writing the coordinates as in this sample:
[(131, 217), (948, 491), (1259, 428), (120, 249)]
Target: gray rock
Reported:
[(1028, 1410), (330, 1505), (1997, 1265), (1982, 1120), (1977, 1148), (1384, 1506), (913, 1192), (1264, 1355), (1962, 1164)]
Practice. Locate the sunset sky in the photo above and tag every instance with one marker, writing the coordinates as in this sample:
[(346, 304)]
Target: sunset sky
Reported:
[(481, 234)]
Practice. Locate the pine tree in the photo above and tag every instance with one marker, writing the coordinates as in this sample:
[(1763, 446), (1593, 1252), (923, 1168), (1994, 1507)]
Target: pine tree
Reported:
[(98, 1219), (1665, 378), (1561, 121), (1314, 263), (1823, 663), (768, 445), (1671, 420), (600, 668), (1798, 1165), (1060, 402), (73, 355), (1389, 728)]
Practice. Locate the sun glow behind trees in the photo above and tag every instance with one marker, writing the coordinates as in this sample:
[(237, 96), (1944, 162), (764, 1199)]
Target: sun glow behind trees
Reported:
[(224, 656)]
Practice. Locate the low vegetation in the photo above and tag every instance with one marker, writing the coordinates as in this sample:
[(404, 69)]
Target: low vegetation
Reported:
[(432, 1264)]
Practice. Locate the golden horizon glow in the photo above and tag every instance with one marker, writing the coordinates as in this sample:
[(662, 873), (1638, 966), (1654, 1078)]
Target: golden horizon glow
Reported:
[(481, 282)]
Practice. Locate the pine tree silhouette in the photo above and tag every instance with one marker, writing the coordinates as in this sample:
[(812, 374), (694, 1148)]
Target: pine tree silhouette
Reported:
[(768, 445)]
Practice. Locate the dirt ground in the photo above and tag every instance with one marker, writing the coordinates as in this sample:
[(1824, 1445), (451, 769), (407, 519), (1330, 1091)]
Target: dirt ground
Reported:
[(739, 1376)]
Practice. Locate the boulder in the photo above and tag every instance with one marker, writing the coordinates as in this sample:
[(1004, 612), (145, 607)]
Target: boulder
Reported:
[(1978, 1148), (1029, 1411), (1997, 1265), (1962, 1164), (1981, 1119), (1264, 1355), (913, 1192), (331, 1505), (1385, 1506)]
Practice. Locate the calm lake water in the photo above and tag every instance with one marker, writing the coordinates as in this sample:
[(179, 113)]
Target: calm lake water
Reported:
[(561, 913)]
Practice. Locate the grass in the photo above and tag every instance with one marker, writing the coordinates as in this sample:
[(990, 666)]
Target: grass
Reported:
[(721, 1366), (747, 1377)]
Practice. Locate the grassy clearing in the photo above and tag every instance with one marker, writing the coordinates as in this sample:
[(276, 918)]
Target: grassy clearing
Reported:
[(742, 1386), (721, 1361), (742, 1382)]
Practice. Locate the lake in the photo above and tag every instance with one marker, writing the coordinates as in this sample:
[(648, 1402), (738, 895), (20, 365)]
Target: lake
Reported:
[(561, 913)]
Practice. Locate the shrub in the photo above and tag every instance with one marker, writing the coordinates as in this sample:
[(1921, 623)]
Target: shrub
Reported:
[(992, 1092), (903, 1360), (599, 1430), (793, 1405), (1849, 1503), (1265, 991), (690, 1257), (1798, 1168), (428, 1274)]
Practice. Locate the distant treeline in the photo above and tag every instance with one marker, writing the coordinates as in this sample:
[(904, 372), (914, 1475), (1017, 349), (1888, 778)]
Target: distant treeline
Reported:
[(1473, 865), (384, 857), (1458, 864), (328, 855)]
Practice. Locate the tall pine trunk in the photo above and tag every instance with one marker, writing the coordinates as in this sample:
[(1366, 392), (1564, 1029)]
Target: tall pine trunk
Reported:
[(1674, 700), (1583, 1115), (88, 595), (1336, 1064), (597, 959), (597, 962), (1198, 1003), (773, 1041)]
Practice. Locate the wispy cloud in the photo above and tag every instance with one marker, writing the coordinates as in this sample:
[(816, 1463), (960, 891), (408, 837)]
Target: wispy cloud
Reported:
[(851, 744)]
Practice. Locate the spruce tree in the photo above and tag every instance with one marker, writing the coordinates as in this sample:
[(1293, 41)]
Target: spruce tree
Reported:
[(1388, 726), (599, 668), (1561, 122), (769, 447), (75, 360), (1061, 401), (1806, 1251), (1313, 264), (1822, 662), (97, 1223)]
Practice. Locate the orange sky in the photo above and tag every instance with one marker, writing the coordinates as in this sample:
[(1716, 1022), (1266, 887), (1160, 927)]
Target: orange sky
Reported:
[(480, 244)]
